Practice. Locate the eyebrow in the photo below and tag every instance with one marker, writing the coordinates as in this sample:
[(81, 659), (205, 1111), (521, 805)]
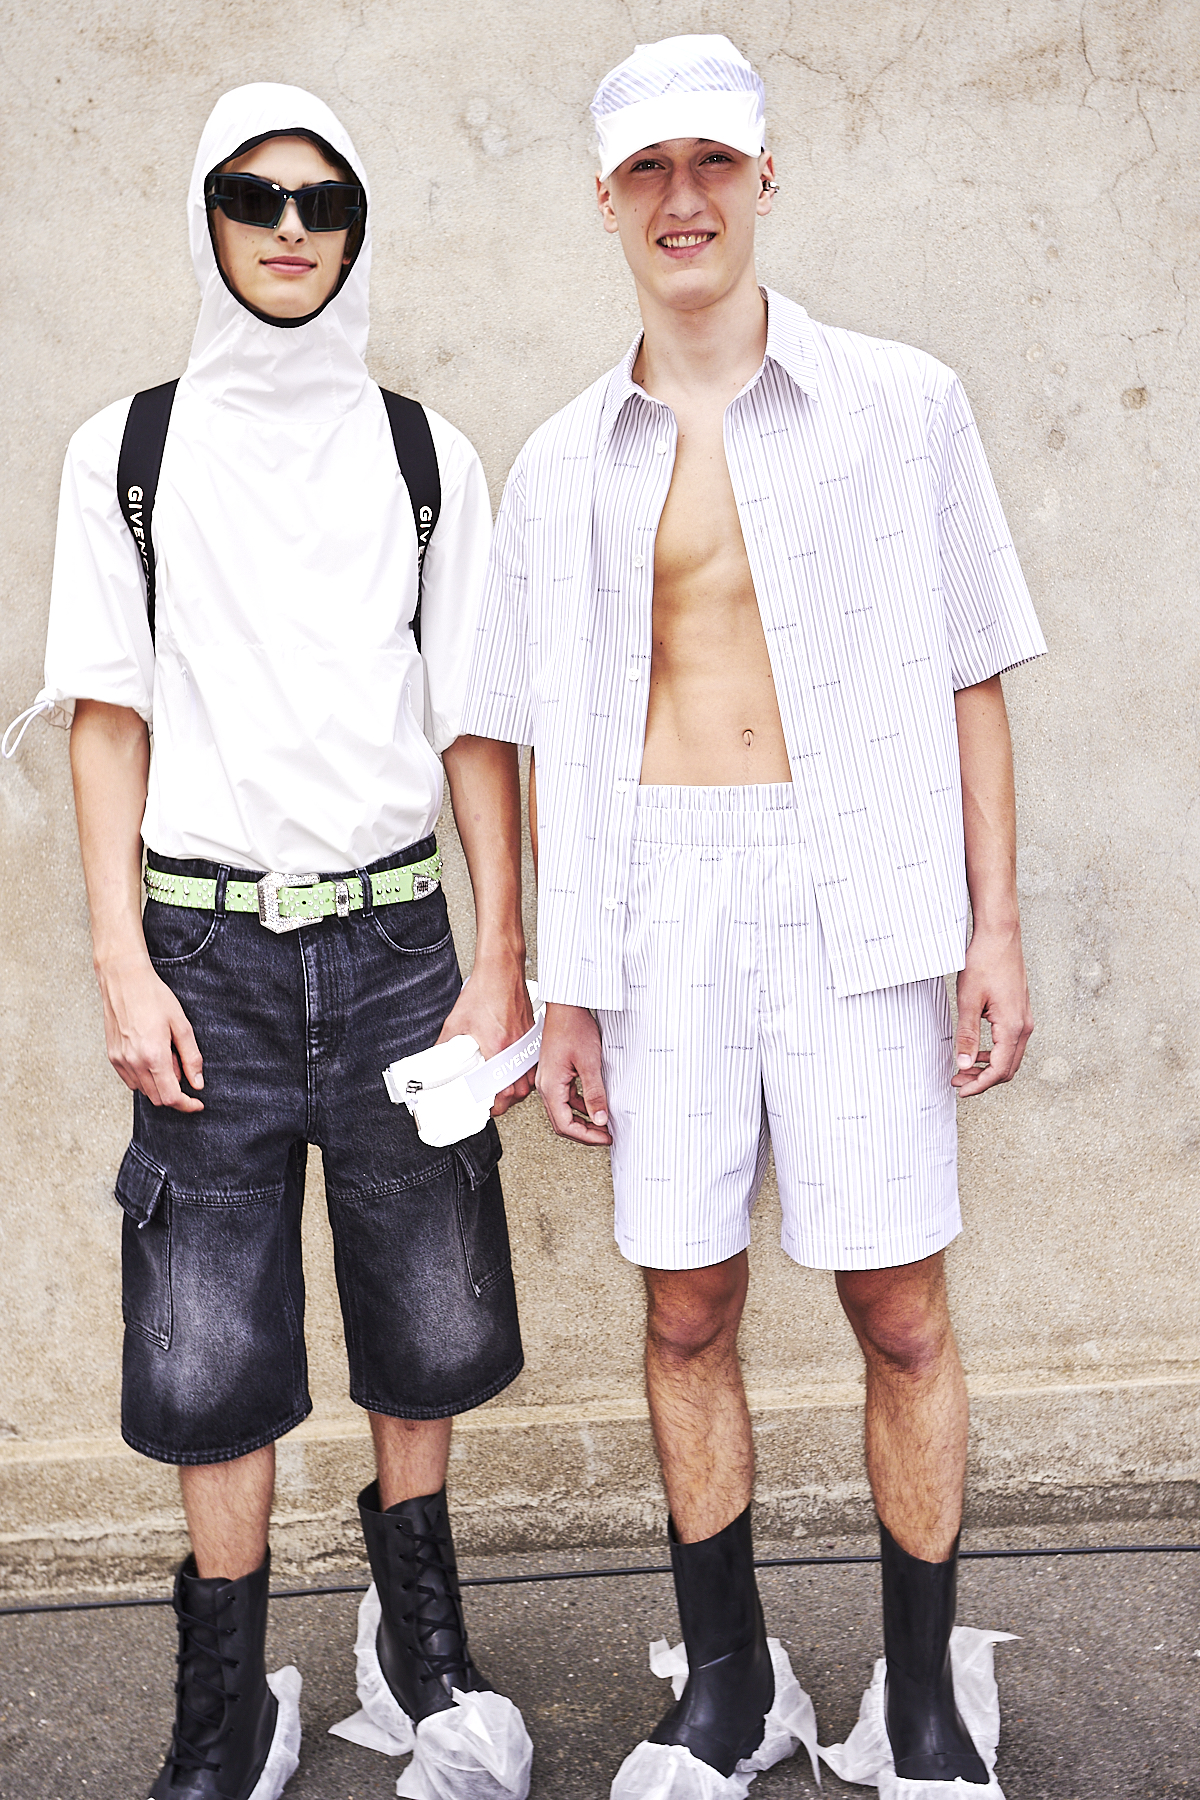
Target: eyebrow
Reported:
[(659, 146)]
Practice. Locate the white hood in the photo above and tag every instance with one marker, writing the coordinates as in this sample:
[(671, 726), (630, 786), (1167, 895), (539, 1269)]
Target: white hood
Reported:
[(242, 362), (296, 727)]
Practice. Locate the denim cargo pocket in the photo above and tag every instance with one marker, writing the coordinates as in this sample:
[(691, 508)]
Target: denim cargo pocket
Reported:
[(480, 1201), (145, 1247)]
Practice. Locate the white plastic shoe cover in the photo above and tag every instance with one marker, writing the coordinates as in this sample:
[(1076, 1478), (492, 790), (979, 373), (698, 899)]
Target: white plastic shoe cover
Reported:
[(382, 1724), (671, 1772), (477, 1749), (284, 1753), (866, 1756)]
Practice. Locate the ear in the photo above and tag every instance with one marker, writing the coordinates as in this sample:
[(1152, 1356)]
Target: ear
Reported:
[(604, 202), (766, 171)]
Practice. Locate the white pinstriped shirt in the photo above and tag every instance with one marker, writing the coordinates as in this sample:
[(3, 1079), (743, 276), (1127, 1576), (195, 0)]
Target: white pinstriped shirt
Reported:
[(885, 577)]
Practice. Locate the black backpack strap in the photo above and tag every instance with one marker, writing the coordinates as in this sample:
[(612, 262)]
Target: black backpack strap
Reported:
[(137, 473), (419, 466)]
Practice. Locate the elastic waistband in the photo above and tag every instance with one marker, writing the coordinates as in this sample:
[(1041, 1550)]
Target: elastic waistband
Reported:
[(744, 817)]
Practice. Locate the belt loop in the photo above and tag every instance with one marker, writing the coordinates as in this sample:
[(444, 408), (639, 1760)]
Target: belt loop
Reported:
[(368, 905), (219, 895)]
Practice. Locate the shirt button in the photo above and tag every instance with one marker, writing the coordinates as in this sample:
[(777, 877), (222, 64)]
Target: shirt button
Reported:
[(639, 562), (610, 905), (660, 449), (632, 672)]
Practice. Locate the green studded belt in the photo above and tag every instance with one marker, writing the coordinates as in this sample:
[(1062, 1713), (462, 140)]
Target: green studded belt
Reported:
[(285, 902)]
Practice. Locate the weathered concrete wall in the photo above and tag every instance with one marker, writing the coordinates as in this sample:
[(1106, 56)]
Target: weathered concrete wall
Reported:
[(1010, 188)]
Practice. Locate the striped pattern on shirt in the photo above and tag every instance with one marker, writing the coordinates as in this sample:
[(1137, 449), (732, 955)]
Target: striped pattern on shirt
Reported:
[(886, 579)]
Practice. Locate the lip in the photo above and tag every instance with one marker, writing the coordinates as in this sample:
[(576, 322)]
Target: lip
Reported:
[(685, 252), (288, 265)]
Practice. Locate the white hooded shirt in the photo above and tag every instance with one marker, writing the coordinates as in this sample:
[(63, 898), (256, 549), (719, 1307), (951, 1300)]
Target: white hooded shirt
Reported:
[(294, 726)]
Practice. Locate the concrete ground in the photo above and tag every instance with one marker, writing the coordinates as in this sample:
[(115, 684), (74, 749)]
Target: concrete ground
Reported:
[(1100, 1698)]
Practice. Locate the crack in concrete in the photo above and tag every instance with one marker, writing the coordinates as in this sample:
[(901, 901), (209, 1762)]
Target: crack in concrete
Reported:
[(1137, 96), (861, 102), (1083, 43), (907, 51)]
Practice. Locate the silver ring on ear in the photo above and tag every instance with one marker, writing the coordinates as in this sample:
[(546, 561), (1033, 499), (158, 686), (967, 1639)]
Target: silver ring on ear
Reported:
[(769, 187)]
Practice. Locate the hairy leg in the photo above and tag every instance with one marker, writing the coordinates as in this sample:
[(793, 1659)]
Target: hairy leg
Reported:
[(697, 1402), (916, 1426), (411, 1456), (228, 1509)]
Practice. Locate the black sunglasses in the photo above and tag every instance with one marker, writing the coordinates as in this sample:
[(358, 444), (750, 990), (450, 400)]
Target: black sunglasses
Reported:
[(249, 200)]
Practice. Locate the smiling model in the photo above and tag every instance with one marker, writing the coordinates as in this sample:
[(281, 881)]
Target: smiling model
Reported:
[(749, 600), (277, 266), (300, 725)]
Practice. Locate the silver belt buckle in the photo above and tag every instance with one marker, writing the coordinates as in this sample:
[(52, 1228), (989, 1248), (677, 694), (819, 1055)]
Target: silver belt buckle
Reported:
[(268, 901)]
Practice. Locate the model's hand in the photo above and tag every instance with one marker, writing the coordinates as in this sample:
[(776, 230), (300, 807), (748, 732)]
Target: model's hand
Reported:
[(494, 1009), (992, 986), (568, 1076), (149, 1041)]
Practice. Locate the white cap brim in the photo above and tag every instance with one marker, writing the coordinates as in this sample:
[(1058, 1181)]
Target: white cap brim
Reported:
[(733, 119)]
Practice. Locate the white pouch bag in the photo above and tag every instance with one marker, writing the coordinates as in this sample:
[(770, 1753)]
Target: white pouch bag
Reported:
[(449, 1089)]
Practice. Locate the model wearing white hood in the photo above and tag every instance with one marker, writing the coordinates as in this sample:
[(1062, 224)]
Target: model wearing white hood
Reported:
[(297, 728), (256, 696)]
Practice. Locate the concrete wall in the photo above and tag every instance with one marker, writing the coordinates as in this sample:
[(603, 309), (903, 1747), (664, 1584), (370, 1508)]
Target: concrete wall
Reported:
[(1012, 189)]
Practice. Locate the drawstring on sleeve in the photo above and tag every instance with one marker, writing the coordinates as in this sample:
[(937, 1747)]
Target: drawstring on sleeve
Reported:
[(24, 720)]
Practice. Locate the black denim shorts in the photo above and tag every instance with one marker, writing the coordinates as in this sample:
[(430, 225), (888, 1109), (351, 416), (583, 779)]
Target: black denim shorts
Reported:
[(295, 1031)]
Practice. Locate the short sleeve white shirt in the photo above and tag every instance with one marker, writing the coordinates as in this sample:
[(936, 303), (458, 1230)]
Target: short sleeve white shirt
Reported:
[(295, 725), (886, 579)]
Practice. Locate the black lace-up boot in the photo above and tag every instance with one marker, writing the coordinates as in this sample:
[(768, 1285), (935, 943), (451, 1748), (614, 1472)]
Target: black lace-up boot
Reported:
[(730, 1688), (422, 1640), (925, 1729), (224, 1711)]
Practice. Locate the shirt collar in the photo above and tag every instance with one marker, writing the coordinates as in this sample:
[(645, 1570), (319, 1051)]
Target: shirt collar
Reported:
[(621, 386), (791, 342)]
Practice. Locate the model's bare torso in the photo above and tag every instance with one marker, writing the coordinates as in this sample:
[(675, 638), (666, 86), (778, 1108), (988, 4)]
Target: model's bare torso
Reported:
[(713, 717)]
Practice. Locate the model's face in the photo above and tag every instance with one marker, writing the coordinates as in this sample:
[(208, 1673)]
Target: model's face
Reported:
[(285, 272), (685, 211)]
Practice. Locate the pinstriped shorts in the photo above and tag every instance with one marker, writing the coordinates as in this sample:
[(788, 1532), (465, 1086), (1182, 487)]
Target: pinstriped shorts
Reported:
[(732, 1037)]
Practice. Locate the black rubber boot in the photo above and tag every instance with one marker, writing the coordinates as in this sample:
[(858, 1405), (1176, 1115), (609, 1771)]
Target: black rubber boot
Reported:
[(224, 1711), (422, 1640), (928, 1738), (731, 1685)]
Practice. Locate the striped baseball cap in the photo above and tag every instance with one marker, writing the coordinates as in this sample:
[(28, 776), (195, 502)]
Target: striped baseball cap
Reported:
[(697, 87)]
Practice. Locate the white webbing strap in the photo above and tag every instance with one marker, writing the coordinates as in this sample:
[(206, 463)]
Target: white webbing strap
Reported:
[(500, 1071)]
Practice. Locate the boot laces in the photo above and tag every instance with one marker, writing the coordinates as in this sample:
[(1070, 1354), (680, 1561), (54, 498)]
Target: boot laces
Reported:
[(184, 1754), (437, 1605)]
